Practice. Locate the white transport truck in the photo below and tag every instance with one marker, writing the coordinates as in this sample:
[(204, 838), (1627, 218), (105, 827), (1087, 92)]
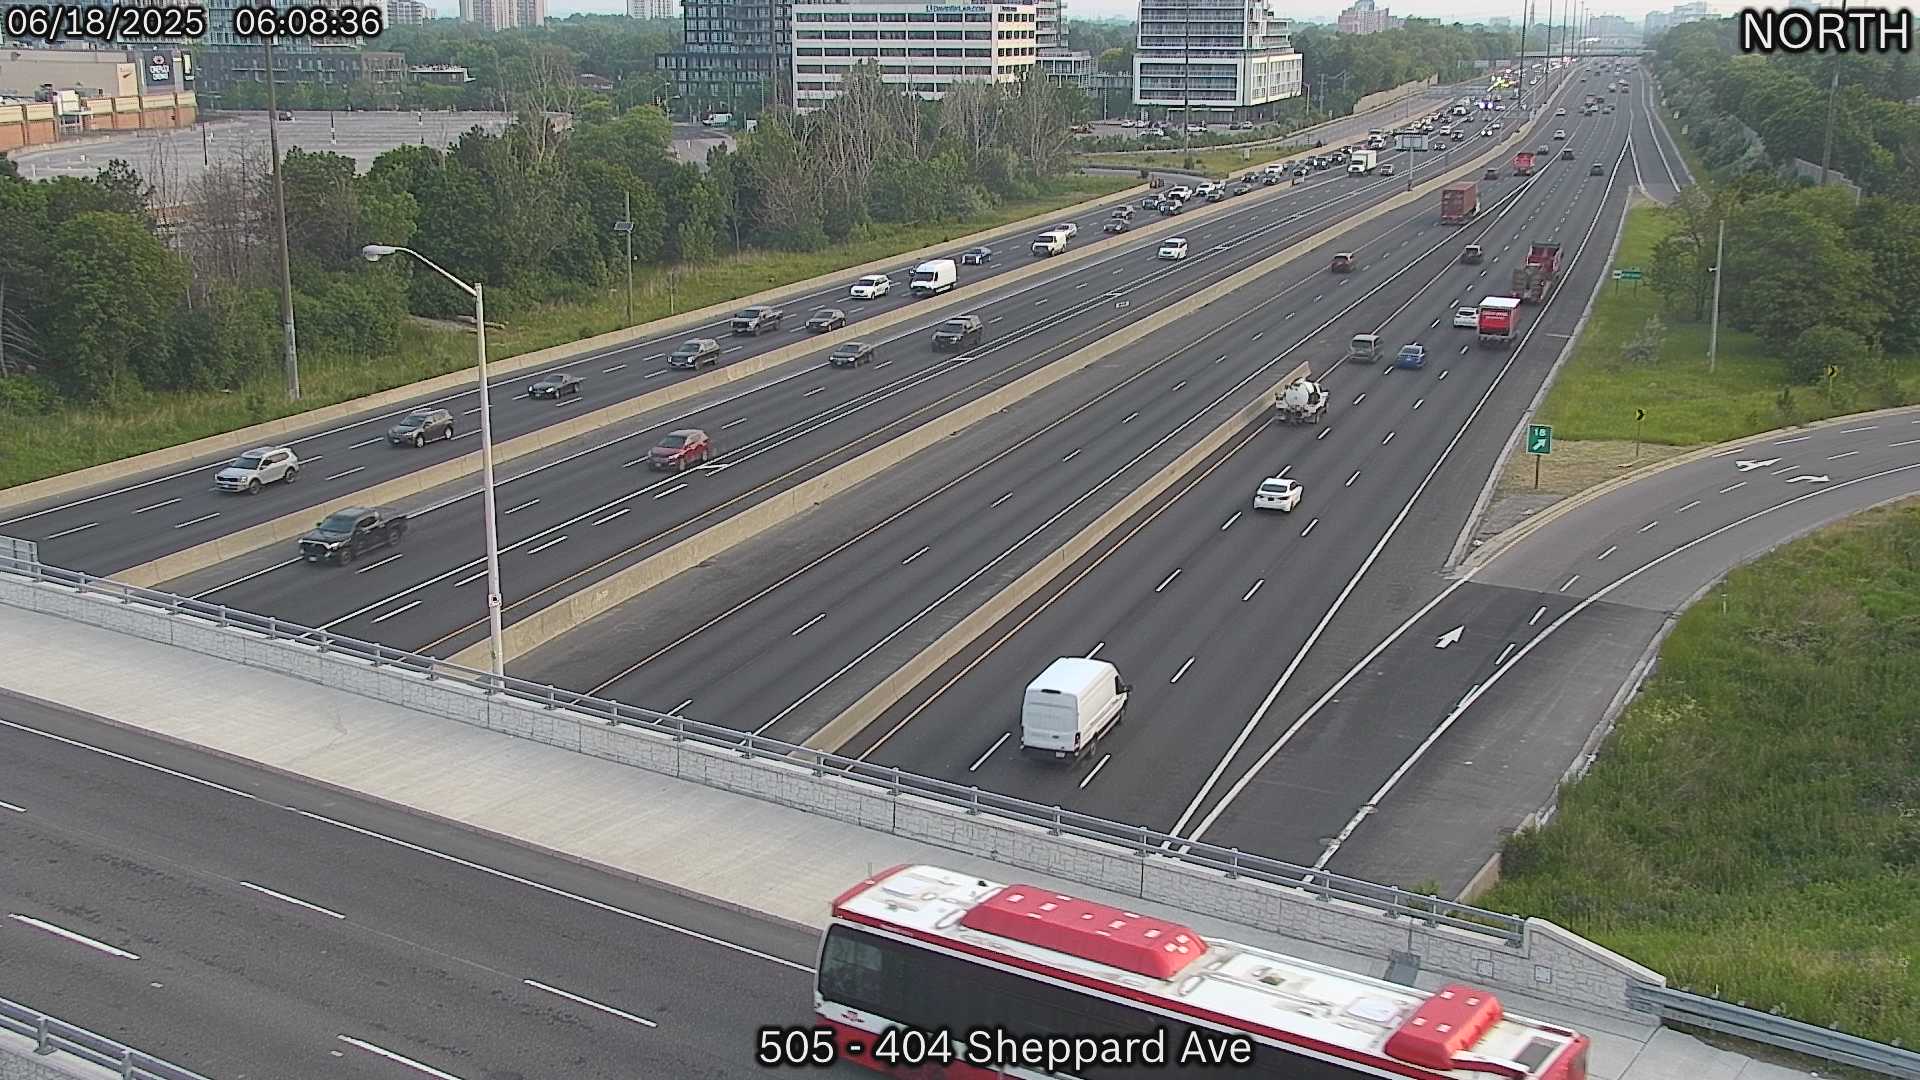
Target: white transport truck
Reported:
[(1070, 706), (1364, 161), (933, 278), (1303, 402)]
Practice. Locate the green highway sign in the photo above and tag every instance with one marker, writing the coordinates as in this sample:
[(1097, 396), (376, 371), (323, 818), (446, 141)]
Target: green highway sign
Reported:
[(1539, 439), (1630, 273)]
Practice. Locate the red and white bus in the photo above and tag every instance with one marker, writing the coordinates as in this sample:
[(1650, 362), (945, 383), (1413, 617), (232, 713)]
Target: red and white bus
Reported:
[(919, 960)]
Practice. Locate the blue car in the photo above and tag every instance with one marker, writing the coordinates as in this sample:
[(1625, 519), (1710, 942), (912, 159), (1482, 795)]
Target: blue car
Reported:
[(1411, 356)]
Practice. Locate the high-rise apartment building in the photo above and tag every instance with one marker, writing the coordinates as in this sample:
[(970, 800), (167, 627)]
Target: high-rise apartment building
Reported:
[(504, 14), (1214, 56), (921, 48), (408, 12), (652, 9), (1363, 17), (735, 52)]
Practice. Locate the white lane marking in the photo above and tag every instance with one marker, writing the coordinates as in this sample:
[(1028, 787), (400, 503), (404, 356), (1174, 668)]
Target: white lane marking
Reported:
[(1419, 403), (1096, 770), (1504, 653), (1608, 552), (591, 1004), (802, 628), (1688, 507), (378, 565), (669, 491), (729, 352), (519, 508), (397, 611), (997, 318), (1569, 583), (1649, 524), (77, 745), (1360, 399), (1256, 588), (170, 502), (611, 370), (1857, 430), (294, 900), (368, 442), (198, 520), (657, 374), (915, 555), (75, 529), (1741, 484), (815, 390), (1795, 439), (1788, 469), (1178, 385), (1837, 457), (1182, 671), (1443, 375), (1169, 581), (1387, 440), (1230, 521), (470, 412), (617, 513), (10, 806), (733, 423), (1131, 415), (397, 1059), (678, 709), (470, 578), (1095, 651), (982, 759), (1322, 435), (1001, 499), (349, 472), (545, 546), (1351, 479), (1909, 442), (550, 890), (1310, 526), (1074, 454), (78, 939)]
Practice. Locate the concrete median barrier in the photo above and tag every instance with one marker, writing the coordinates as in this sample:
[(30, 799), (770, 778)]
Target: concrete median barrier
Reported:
[(875, 702)]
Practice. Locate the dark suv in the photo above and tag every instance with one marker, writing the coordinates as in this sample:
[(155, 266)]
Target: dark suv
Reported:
[(958, 332), (421, 427)]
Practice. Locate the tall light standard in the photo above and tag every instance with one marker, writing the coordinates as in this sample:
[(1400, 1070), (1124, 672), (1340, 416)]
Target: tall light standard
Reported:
[(376, 252), (291, 354)]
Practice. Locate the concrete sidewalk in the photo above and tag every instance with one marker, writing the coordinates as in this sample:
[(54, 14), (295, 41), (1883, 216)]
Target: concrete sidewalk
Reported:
[(740, 852)]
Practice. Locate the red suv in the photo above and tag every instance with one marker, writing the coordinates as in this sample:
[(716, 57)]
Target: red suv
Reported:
[(680, 450)]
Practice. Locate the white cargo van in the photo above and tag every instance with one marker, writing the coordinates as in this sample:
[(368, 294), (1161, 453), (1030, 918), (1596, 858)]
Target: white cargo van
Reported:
[(1070, 706), (1051, 242), (930, 278)]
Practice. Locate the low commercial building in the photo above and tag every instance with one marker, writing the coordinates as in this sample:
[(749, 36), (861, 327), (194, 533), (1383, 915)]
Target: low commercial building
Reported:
[(921, 48), (47, 95)]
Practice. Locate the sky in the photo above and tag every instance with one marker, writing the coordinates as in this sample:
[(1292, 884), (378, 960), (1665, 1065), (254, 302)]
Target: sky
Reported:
[(1322, 10)]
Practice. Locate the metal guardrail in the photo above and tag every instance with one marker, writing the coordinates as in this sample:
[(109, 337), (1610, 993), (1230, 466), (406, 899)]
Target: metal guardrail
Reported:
[(1137, 839), (1712, 1014), (53, 1036)]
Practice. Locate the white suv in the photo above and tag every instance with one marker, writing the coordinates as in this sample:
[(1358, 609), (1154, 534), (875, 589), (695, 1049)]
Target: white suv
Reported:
[(257, 468), (1206, 189), (871, 286), (1174, 248)]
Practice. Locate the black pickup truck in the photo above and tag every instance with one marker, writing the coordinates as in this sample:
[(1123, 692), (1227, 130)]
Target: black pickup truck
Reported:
[(351, 532)]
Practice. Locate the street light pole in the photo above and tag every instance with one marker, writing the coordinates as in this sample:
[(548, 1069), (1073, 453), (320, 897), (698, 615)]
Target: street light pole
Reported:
[(292, 354), (1713, 334), (496, 651), (625, 227)]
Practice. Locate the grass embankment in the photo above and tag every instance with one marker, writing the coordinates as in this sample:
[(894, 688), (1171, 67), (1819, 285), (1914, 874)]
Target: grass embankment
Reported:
[(1752, 828), (34, 447), (1217, 163), (1592, 404)]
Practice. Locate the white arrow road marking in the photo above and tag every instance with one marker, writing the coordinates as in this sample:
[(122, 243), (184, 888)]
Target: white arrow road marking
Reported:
[(1450, 637), (1744, 466), (1809, 478)]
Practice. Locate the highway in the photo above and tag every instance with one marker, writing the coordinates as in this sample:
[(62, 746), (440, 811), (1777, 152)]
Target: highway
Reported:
[(242, 924), (586, 511), (819, 629), (139, 519)]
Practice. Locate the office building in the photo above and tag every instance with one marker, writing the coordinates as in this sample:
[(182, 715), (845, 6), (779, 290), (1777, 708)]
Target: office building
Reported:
[(652, 9), (921, 48), (1363, 17), (1216, 56), (1500, 22), (734, 53), (1610, 26)]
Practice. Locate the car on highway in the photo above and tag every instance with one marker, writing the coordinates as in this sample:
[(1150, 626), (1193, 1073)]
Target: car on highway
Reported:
[(1466, 318), (1151, 202), (1116, 225), (757, 320), (1218, 194), (851, 354), (1560, 133), (1597, 169), (1069, 228), (1277, 493), (1173, 248), (257, 468), (1490, 174), (1181, 192), (1471, 255), (825, 319), (1566, 153), (1387, 169), (350, 532), (680, 450), (1411, 356), (558, 385), (1559, 112), (978, 256), (1342, 263), (420, 427), (1125, 213), (1170, 207), (958, 332), (1240, 188), (694, 353), (871, 287), (1301, 170)]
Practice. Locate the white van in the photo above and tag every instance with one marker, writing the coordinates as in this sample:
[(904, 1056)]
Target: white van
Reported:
[(1051, 242), (1070, 706), (931, 278)]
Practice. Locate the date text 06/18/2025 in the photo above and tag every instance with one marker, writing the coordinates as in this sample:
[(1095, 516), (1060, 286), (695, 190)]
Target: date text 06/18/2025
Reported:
[(125, 25), (898, 1047)]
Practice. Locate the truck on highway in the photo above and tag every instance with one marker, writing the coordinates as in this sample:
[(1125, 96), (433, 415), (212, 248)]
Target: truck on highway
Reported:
[(1051, 242), (1302, 402), (1364, 161), (1070, 706), (354, 531), (1459, 202), (1535, 278), (933, 278), (1499, 315), (1523, 163)]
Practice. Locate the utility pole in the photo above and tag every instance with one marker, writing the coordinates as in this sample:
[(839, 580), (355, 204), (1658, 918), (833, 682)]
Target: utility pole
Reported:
[(625, 227), (1520, 65), (1719, 260), (1186, 77), (1833, 103), (280, 220)]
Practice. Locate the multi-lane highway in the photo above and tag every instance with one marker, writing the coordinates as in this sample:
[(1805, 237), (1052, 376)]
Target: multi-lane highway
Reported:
[(585, 511), (807, 630), (243, 924), (144, 517)]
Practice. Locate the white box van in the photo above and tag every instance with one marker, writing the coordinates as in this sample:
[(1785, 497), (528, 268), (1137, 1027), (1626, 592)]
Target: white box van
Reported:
[(930, 278), (1070, 706), (1051, 242)]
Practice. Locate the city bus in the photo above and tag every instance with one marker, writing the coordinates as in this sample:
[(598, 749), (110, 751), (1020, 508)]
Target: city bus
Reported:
[(931, 974)]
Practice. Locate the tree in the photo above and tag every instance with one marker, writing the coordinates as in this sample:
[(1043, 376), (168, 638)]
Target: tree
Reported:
[(1820, 347), (1683, 259), (1790, 266), (112, 320)]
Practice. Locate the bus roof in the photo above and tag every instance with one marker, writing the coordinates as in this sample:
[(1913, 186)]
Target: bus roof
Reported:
[(1458, 1029)]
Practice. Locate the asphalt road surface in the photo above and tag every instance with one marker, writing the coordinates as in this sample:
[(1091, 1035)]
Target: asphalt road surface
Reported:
[(142, 518), (242, 924)]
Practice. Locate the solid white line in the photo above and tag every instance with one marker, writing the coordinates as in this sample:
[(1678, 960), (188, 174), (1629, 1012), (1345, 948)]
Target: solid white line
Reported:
[(377, 565), (915, 555), (398, 611), (982, 759), (617, 513), (75, 529), (1741, 484), (1230, 521), (1649, 524), (1169, 581), (349, 472), (519, 508), (77, 745), (1310, 526), (591, 1004), (1608, 552), (1183, 669), (1688, 507), (545, 546), (1096, 770), (198, 520), (78, 939), (397, 1058), (669, 491), (803, 626), (295, 901), (15, 809), (1255, 589), (170, 502), (562, 893)]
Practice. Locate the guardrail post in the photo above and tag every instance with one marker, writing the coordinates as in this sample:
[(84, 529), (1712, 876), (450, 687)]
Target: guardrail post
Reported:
[(553, 700), (223, 616), (973, 802), (1145, 849), (1233, 863), (897, 785), (1058, 825), (273, 628), (379, 651), (127, 1070), (43, 1035)]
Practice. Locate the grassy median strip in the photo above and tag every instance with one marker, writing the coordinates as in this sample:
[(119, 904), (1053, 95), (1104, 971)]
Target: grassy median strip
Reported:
[(38, 446), (1752, 827)]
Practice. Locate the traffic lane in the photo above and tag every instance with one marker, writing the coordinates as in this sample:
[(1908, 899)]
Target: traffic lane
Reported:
[(563, 915), (545, 518)]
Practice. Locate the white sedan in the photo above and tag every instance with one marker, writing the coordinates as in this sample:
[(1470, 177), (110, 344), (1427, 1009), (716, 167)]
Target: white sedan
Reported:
[(871, 286), (1069, 228), (1466, 318), (1277, 493), (1175, 248)]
